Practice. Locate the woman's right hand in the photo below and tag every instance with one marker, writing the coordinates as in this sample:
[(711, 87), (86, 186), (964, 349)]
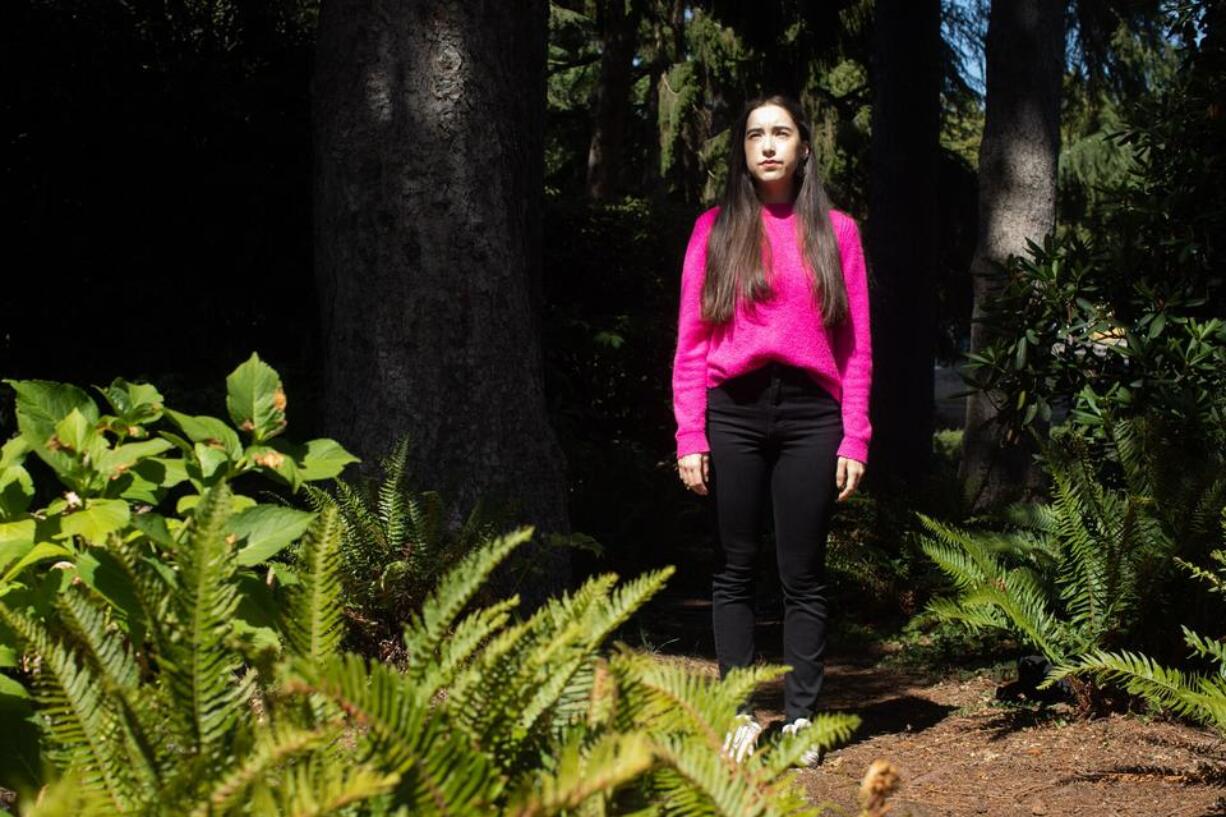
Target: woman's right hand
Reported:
[(694, 471)]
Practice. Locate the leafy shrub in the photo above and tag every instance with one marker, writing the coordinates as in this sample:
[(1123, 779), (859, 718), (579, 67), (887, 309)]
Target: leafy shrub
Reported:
[(1200, 696), (152, 694), (131, 484), (491, 715), (1092, 569)]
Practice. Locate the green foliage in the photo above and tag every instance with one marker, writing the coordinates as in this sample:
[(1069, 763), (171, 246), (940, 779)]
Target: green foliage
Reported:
[(138, 496), (1123, 313), (397, 543), (1066, 336), (492, 715), (1086, 570), (1200, 696)]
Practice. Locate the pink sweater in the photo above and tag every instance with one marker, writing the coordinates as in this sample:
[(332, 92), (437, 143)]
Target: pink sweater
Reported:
[(786, 328)]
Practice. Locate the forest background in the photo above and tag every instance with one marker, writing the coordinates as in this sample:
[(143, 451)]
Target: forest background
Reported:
[(167, 193)]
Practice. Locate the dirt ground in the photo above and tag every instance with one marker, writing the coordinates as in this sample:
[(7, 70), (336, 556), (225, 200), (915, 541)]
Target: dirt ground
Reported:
[(959, 752)]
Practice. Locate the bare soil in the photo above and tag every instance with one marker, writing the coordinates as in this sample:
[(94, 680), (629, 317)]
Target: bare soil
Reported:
[(960, 752)]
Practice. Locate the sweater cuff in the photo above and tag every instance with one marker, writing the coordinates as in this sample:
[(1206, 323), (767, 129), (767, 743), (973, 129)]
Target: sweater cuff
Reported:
[(854, 448), (691, 442)]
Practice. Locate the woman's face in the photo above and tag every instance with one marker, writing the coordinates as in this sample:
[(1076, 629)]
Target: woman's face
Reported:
[(773, 149)]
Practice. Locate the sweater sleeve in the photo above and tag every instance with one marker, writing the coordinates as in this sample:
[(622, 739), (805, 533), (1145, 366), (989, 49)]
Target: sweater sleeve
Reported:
[(856, 364), (693, 334)]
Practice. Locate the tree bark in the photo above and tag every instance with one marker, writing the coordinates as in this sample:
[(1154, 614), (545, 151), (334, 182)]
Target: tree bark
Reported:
[(1017, 201), (428, 121), (604, 158), (901, 233)]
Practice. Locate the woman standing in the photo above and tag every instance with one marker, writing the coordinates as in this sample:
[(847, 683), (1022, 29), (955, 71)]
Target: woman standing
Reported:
[(770, 389)]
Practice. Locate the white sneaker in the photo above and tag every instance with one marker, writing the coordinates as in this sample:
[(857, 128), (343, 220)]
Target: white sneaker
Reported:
[(739, 743), (811, 757)]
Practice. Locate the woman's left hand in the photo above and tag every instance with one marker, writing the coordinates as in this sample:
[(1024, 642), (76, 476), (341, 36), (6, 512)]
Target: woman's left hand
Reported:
[(848, 477)]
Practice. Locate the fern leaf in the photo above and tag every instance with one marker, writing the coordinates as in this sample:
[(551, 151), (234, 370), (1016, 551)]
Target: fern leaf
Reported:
[(201, 672), (77, 715), (827, 731), (391, 494), (581, 772), (1192, 696), (314, 622), (428, 628), (274, 748), (439, 768)]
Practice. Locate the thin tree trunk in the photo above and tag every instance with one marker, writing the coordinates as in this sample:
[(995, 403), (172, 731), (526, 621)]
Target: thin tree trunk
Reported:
[(428, 121), (1017, 201), (902, 230), (604, 159)]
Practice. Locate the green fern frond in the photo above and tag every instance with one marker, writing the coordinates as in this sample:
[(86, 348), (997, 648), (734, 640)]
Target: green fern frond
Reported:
[(322, 787), (69, 797), (314, 623), (391, 492), (428, 628), (109, 656), (105, 648), (714, 784), (962, 556), (828, 730), (78, 716), (1193, 696), (984, 617), (581, 771), (1205, 648), (455, 651), (664, 696), (273, 748), (439, 767), (362, 522), (201, 669)]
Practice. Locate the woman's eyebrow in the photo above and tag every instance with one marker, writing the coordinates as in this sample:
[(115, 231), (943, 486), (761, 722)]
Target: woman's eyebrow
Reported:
[(776, 127)]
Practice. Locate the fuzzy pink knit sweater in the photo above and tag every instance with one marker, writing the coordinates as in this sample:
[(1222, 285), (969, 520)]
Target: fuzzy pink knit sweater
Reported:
[(786, 328)]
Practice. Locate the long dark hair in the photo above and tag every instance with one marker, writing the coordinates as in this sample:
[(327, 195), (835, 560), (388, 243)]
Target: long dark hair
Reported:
[(737, 242)]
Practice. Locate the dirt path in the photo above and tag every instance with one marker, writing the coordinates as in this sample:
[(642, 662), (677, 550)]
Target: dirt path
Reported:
[(960, 753)]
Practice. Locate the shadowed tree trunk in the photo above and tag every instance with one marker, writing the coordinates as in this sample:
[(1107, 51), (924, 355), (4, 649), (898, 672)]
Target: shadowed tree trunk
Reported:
[(428, 122), (604, 158), (1017, 201), (901, 233)]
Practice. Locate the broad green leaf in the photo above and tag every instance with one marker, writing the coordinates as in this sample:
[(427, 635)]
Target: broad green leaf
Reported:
[(154, 526), (99, 569), (208, 430), (16, 540), (275, 463), (119, 459), (318, 459), (211, 460), (255, 620), (16, 491), (238, 503), (265, 530), (96, 519), (41, 404), (39, 553), (13, 452), (256, 400), (134, 403)]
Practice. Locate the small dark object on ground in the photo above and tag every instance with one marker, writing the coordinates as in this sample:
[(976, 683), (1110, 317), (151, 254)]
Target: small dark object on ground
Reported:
[(1031, 671)]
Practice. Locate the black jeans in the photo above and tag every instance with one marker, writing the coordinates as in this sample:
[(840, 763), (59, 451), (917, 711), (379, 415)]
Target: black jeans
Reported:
[(773, 432)]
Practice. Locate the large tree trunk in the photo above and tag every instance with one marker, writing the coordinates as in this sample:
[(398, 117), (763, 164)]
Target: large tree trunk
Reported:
[(1017, 201), (428, 119), (604, 158), (901, 234)]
